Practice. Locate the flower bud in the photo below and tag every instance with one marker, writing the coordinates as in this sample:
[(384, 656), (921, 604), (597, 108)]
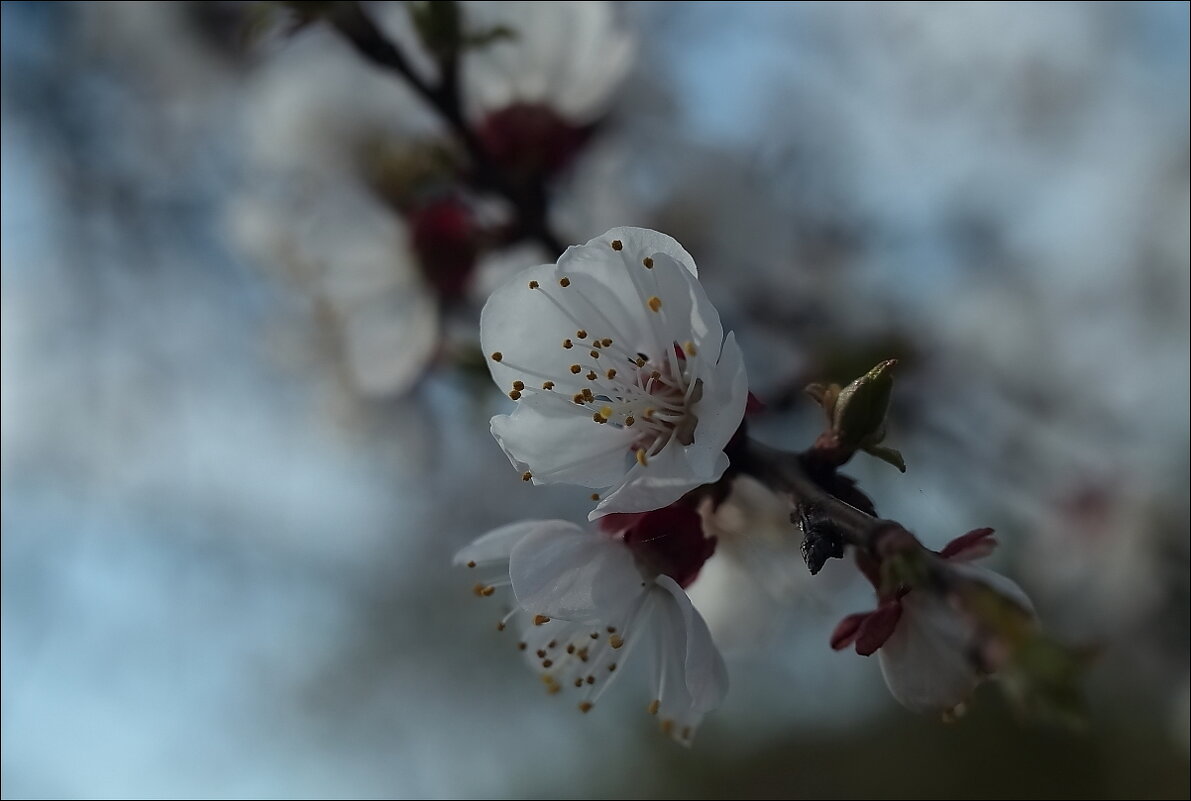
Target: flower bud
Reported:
[(857, 413)]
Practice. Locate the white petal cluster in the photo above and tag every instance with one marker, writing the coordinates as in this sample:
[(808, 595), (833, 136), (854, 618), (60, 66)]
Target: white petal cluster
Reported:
[(622, 375), (585, 605)]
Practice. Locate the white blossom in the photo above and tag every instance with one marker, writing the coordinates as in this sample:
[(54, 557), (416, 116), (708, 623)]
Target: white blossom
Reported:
[(933, 653), (929, 662), (621, 373), (584, 605)]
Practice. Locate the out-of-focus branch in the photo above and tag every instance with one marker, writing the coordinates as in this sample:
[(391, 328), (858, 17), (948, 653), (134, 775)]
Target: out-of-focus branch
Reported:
[(528, 198)]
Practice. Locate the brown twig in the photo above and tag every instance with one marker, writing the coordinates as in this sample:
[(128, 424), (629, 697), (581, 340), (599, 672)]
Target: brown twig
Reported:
[(529, 198)]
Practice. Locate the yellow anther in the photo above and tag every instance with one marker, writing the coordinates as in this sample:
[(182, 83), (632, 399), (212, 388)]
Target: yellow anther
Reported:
[(617, 244), (656, 374), (533, 284), (487, 591), (628, 421), (606, 411), (515, 395), (575, 368), (655, 303), (564, 282), (497, 356), (649, 413), (477, 590), (667, 726), (595, 496), (640, 361), (581, 333), (553, 689), (642, 459), (518, 385), (654, 705), (689, 347), (616, 641), (547, 385), (648, 262), (611, 373), (471, 564), (526, 476), (539, 620), (585, 706)]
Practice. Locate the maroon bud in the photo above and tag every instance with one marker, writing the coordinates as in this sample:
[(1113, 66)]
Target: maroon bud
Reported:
[(530, 139), (446, 241), (670, 542)]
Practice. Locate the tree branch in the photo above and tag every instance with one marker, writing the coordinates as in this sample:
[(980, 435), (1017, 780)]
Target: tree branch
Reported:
[(826, 521), (528, 198)]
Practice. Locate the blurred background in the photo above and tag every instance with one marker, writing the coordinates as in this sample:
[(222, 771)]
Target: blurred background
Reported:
[(244, 418)]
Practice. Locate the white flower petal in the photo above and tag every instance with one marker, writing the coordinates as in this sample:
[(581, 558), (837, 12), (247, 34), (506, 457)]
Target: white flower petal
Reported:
[(1002, 584), (705, 675), (606, 296), (567, 573), (641, 242), (690, 676), (545, 435), (527, 329), (725, 396), (498, 544), (926, 660), (686, 312), (619, 286), (667, 478)]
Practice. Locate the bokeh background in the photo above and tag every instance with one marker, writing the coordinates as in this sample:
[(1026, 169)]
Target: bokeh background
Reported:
[(243, 428)]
